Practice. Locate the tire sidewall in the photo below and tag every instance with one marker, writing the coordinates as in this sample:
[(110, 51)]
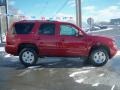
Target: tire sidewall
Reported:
[(92, 56), (35, 57)]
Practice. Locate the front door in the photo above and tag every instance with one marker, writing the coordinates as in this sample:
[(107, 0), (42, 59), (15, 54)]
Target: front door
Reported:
[(47, 39), (71, 43)]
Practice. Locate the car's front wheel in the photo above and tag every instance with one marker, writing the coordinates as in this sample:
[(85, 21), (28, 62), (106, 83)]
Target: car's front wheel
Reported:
[(28, 57), (99, 57)]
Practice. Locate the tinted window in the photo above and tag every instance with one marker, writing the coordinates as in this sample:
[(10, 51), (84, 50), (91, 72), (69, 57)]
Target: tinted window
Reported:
[(67, 30), (47, 29), (23, 28)]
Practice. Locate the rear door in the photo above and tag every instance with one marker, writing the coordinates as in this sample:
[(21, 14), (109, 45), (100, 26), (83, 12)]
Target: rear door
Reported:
[(47, 39)]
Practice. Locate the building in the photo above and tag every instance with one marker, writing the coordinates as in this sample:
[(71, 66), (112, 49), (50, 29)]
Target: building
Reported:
[(115, 21)]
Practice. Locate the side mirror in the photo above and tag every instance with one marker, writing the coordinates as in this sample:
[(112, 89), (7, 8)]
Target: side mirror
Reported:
[(80, 33)]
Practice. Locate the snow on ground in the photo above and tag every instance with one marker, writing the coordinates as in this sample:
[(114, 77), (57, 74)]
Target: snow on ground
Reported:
[(2, 49), (100, 30), (118, 53)]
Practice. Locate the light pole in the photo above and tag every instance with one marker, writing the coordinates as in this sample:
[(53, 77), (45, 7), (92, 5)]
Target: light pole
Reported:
[(6, 10), (78, 13)]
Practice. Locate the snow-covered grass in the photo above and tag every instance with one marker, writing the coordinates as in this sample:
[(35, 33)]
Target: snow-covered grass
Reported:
[(100, 30), (118, 53)]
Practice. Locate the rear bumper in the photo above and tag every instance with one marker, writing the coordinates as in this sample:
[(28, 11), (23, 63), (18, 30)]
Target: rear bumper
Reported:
[(11, 49)]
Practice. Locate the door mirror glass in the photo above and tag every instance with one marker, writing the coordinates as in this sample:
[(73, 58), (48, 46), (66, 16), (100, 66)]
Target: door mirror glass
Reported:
[(80, 33)]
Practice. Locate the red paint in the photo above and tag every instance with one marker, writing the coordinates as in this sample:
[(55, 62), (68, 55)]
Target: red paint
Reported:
[(56, 45)]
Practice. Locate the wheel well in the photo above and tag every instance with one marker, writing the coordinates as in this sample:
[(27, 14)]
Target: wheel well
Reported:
[(100, 46), (27, 45)]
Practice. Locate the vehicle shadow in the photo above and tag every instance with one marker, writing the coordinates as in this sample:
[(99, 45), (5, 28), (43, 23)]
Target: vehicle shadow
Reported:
[(62, 63), (12, 62)]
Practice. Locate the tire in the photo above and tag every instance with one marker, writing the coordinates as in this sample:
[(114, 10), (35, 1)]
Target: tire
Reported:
[(99, 57), (28, 57)]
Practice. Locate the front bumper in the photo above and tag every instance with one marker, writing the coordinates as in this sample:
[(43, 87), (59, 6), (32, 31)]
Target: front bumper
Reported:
[(113, 51)]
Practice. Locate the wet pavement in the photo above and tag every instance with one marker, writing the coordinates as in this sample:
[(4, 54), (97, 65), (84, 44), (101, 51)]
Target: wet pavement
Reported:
[(58, 74)]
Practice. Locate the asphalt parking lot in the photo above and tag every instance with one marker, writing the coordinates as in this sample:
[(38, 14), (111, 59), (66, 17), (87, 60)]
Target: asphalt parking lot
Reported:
[(59, 73)]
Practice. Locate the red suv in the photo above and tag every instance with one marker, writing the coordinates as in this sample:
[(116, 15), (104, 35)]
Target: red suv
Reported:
[(30, 39)]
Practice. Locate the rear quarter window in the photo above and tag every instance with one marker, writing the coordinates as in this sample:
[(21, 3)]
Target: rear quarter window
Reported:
[(23, 28)]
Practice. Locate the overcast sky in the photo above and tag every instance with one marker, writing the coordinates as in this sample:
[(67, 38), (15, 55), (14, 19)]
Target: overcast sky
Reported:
[(100, 10)]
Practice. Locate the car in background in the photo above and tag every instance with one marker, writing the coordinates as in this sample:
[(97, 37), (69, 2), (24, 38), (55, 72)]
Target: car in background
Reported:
[(103, 27)]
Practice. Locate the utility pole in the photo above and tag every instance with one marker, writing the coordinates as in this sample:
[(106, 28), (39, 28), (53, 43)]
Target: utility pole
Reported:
[(78, 13), (0, 27), (4, 3)]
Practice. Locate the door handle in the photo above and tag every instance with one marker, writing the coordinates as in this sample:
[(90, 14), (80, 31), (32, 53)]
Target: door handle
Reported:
[(62, 40), (38, 38)]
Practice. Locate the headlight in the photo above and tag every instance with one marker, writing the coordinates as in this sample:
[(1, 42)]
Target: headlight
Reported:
[(114, 44)]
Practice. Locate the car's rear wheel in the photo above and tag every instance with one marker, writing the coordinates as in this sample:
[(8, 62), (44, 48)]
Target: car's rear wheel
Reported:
[(99, 57), (28, 57)]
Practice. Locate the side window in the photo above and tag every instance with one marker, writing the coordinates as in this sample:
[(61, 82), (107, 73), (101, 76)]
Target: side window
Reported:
[(23, 28), (68, 30), (47, 29)]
